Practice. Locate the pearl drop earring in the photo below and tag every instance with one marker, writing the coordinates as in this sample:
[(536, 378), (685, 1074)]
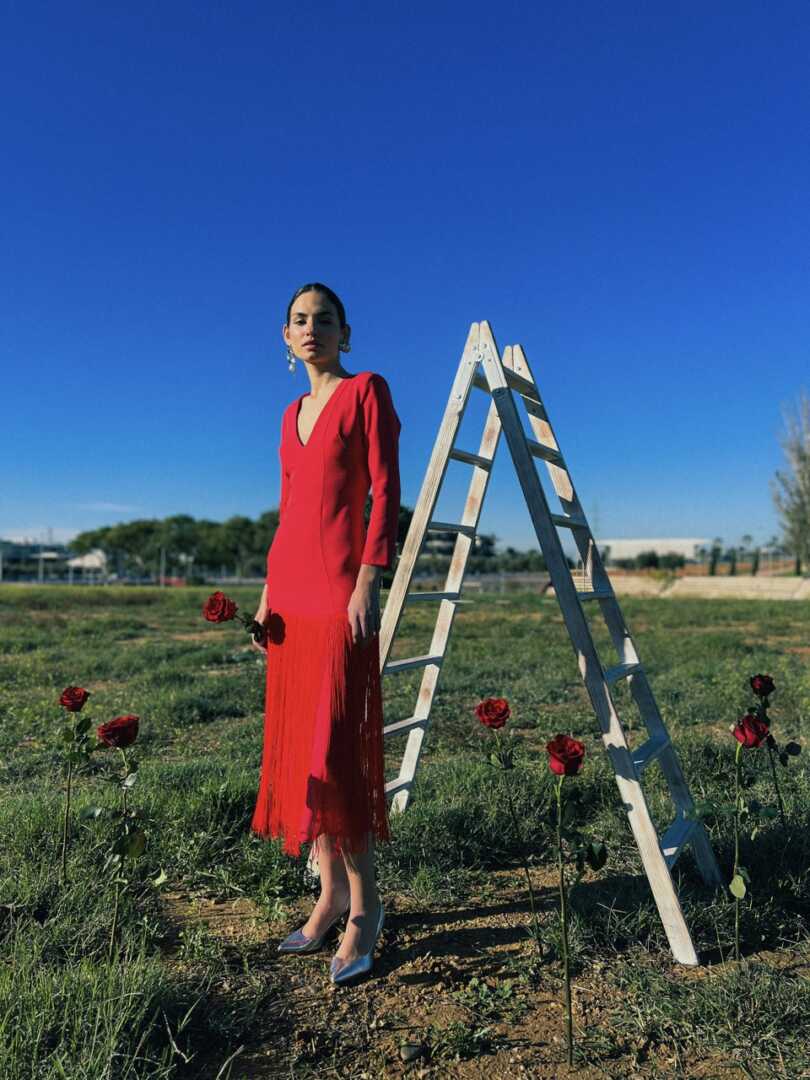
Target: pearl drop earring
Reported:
[(290, 359)]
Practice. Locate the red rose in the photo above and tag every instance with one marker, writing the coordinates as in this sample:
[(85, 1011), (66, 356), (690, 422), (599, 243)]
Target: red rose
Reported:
[(493, 712), (762, 685), (73, 698), (219, 608), (751, 731), (565, 755), (122, 731)]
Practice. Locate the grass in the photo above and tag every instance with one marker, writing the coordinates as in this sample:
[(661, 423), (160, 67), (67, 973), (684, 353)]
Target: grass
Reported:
[(180, 1003)]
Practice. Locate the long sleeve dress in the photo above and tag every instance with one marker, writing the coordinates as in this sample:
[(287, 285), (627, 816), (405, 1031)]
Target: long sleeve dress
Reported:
[(322, 762)]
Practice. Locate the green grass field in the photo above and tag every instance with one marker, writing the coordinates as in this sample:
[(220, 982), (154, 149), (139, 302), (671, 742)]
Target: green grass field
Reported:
[(197, 988)]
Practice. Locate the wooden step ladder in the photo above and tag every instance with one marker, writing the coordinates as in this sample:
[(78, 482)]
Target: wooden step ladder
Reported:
[(498, 377)]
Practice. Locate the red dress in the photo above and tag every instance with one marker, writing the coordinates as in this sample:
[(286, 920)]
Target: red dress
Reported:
[(322, 763)]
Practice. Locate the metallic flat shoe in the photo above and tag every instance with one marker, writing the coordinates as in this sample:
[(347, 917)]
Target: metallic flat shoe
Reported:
[(296, 942), (363, 964)]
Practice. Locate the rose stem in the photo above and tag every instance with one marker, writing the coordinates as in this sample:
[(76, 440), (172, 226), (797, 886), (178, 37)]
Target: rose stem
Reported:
[(65, 822), (737, 787), (569, 1022)]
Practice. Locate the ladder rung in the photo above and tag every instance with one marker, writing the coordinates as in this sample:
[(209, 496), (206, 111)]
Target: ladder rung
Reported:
[(545, 452), (410, 662), (471, 459), (393, 786), (536, 409), (523, 386), (649, 751), (404, 725), (513, 381), (451, 526), (620, 671), (432, 596), (596, 594), (569, 521), (675, 837)]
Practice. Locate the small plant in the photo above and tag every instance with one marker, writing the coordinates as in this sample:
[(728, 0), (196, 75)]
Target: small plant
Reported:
[(565, 758), (458, 1040), (220, 608), (491, 1002), (493, 713)]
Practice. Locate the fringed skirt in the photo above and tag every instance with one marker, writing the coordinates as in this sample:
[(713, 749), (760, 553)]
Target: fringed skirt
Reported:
[(322, 763)]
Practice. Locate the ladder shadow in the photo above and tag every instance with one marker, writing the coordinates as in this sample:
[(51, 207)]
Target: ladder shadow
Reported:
[(445, 938), (442, 935)]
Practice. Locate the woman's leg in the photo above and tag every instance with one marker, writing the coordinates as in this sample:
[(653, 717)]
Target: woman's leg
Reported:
[(364, 912), (334, 889)]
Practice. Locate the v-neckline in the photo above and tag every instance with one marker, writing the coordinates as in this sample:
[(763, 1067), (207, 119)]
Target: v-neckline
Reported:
[(303, 445)]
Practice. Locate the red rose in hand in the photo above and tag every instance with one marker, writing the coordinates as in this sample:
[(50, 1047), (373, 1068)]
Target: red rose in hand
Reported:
[(762, 685), (565, 755), (751, 731), (73, 698), (219, 608), (122, 731), (493, 712)]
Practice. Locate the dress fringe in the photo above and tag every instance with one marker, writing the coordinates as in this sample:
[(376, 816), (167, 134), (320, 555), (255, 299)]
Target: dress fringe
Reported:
[(322, 764)]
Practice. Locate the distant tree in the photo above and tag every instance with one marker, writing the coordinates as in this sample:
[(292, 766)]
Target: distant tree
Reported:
[(86, 541), (672, 560), (714, 556), (791, 487)]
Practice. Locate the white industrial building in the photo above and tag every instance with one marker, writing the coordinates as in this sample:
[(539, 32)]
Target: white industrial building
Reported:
[(689, 547)]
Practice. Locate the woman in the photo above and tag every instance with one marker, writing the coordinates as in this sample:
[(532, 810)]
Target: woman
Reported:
[(322, 779)]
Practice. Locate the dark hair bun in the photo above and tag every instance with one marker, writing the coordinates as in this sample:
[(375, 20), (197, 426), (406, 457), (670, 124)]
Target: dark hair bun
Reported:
[(317, 286)]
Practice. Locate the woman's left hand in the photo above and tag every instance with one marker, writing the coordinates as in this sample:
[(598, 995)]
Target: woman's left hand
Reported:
[(364, 612)]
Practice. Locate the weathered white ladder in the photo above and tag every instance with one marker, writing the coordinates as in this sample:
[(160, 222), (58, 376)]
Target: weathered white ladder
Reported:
[(499, 378)]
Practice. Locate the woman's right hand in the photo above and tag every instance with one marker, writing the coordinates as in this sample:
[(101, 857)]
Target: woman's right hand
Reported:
[(260, 617)]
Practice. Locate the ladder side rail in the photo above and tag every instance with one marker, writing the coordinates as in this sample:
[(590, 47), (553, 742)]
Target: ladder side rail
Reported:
[(479, 481), (590, 667), (623, 643), (583, 538), (428, 494)]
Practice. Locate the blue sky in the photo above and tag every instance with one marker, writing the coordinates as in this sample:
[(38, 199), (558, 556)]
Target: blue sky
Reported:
[(621, 188)]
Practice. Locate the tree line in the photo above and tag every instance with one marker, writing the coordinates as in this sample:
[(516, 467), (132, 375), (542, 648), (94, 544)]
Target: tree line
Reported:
[(199, 548)]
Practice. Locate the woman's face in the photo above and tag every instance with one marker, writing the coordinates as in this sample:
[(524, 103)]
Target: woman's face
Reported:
[(314, 330)]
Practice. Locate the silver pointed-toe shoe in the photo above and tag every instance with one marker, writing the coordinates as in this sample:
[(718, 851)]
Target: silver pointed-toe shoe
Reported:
[(296, 942), (340, 973)]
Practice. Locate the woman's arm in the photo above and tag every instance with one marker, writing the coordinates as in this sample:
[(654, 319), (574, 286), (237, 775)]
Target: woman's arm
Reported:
[(381, 428)]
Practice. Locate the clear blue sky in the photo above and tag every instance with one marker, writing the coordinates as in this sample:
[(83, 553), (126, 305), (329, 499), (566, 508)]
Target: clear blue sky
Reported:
[(621, 188)]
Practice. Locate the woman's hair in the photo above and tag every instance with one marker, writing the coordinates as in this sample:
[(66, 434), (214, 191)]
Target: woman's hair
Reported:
[(316, 286)]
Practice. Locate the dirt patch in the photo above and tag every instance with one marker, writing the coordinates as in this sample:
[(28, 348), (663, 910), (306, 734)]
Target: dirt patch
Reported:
[(441, 984)]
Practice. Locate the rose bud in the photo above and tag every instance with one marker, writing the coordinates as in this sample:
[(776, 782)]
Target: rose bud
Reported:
[(73, 698), (493, 712), (121, 732), (565, 755), (750, 731), (762, 685), (219, 608)]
